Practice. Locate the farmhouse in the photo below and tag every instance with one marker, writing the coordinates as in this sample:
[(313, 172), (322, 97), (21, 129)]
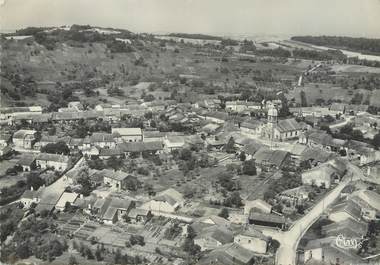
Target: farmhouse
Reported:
[(296, 196), (228, 254), (264, 219), (174, 143), (253, 240), (24, 139), (270, 158), (141, 147), (102, 140), (106, 153), (31, 196), (258, 205), (110, 209), (46, 139), (137, 215), (287, 129), (66, 198), (240, 106), (210, 104), (344, 211), (348, 227), (315, 156), (153, 136), (115, 179), (70, 117), (214, 220), (211, 128), (57, 162), (5, 150), (216, 117), (27, 162), (213, 237), (325, 250), (323, 175), (167, 201), (128, 134), (5, 139), (251, 127), (337, 108), (8, 113)]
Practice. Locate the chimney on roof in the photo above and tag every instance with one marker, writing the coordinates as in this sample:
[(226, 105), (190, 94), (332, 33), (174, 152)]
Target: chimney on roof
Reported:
[(31, 188)]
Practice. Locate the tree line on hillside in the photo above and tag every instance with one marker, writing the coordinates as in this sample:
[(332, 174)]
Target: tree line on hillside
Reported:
[(195, 36), (364, 45), (326, 55), (79, 34)]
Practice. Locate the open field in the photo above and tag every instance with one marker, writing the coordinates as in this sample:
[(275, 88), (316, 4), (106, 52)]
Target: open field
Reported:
[(354, 69), (326, 92)]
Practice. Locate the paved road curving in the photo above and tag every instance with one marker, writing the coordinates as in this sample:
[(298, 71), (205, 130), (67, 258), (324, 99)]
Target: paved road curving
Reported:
[(286, 253)]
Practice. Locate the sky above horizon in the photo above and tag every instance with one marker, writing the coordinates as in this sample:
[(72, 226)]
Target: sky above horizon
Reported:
[(359, 18)]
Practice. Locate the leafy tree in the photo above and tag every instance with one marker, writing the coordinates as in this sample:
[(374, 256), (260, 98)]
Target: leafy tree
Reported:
[(132, 183), (114, 91), (224, 213), (190, 247), (234, 200), (52, 130), (373, 110), (72, 261), (226, 181), (303, 99), (148, 98), (89, 253), (357, 99), (300, 209), (357, 135), (278, 208), (23, 251), (269, 194), (204, 161), (143, 171), (86, 184), (185, 154), (191, 232), (230, 146), (117, 258), (33, 180), (376, 141), (346, 129), (98, 254), (115, 163), (305, 164), (242, 156), (249, 167), (173, 231), (56, 148), (81, 129), (274, 245), (189, 192), (137, 240)]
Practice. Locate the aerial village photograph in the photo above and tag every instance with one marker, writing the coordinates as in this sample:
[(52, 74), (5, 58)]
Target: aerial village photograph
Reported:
[(190, 132)]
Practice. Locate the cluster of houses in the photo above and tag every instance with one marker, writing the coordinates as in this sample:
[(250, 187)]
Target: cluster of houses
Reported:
[(226, 240), (349, 222), (273, 143)]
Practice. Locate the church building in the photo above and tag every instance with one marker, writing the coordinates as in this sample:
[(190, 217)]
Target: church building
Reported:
[(280, 130)]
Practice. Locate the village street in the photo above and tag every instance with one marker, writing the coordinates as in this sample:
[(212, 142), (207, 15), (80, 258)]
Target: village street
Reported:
[(60, 184), (286, 254), (343, 123)]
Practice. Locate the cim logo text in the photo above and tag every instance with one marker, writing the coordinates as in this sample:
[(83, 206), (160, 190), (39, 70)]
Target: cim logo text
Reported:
[(349, 243)]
